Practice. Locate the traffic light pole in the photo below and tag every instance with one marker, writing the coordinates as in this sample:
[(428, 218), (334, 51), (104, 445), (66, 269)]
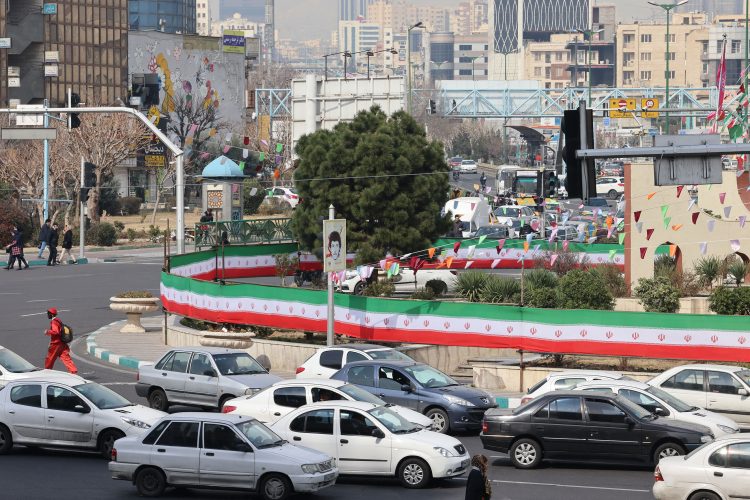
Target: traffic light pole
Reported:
[(82, 225), (178, 153), (46, 165), (584, 140)]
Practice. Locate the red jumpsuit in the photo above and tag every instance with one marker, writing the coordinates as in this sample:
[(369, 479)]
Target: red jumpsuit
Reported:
[(58, 348)]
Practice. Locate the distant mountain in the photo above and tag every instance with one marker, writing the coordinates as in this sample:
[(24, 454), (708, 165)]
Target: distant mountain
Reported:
[(251, 9)]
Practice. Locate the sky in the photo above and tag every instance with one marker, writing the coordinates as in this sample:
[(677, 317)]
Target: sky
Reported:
[(308, 19)]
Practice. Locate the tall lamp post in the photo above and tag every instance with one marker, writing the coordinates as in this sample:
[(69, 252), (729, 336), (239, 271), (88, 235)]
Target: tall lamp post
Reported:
[(371, 53), (590, 34), (473, 78), (325, 59), (408, 64), (667, 9)]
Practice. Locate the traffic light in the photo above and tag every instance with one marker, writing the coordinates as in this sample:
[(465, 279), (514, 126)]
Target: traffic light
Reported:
[(433, 107), (73, 101), (89, 180), (570, 132)]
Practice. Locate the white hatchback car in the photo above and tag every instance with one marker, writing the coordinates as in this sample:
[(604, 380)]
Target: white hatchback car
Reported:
[(367, 439), (716, 471), (722, 389), (567, 380), (219, 451), (70, 413), (663, 404), (274, 402), (14, 367), (285, 194), (328, 360), (611, 187)]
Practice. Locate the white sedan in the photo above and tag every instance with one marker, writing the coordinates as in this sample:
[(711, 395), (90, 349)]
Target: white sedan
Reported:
[(274, 402), (611, 187), (284, 194), (367, 439), (719, 470), (219, 451), (69, 414), (14, 367), (468, 166)]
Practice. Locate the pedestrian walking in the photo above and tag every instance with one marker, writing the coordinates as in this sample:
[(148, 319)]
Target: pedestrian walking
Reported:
[(43, 236), (15, 249), (483, 181), (57, 348), (52, 239), (66, 246), (478, 484)]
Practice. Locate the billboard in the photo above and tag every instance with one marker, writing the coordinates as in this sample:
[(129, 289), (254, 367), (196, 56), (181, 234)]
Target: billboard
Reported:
[(233, 41)]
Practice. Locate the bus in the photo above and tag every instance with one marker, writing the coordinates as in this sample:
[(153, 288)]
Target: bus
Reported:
[(525, 183)]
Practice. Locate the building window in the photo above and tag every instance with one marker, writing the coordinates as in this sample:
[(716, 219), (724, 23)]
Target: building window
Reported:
[(627, 77), (672, 38), (547, 73), (645, 56), (558, 56), (547, 57), (464, 47), (735, 46), (669, 74), (537, 56), (645, 76), (465, 59), (645, 38), (719, 45), (628, 38), (464, 72), (538, 71)]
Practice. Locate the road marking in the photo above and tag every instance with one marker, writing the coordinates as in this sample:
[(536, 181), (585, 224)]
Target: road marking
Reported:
[(118, 383), (10, 293), (572, 486), (45, 312), (39, 300)]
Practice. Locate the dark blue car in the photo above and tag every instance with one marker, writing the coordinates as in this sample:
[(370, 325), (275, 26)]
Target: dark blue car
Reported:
[(418, 386)]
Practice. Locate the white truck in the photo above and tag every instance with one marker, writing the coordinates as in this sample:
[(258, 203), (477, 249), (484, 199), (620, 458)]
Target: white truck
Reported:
[(474, 212)]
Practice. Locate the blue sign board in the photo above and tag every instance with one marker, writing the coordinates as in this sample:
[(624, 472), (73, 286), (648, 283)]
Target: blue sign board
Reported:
[(49, 8), (606, 121), (653, 132)]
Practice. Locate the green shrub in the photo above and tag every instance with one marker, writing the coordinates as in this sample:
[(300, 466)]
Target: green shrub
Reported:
[(567, 261), (687, 283), (658, 294), (708, 270), (613, 279), (130, 205), (500, 290), (722, 301), (251, 203), (102, 234), (742, 301), (155, 233), (540, 278), (664, 265), (119, 225), (469, 285), (737, 269), (438, 287), (135, 294), (424, 294), (542, 297), (580, 289), (131, 234), (379, 289)]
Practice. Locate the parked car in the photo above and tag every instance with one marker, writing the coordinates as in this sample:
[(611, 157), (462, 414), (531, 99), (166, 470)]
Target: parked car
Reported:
[(14, 367), (715, 471), (284, 194), (493, 231), (68, 413), (468, 166), (328, 360), (662, 403), (274, 402), (508, 212), (587, 427), (722, 389), (368, 439), (406, 281), (611, 187), (450, 405), (219, 451), (567, 380), (455, 162), (201, 376)]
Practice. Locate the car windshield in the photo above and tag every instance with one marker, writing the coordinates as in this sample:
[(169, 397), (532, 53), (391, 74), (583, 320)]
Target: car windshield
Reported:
[(744, 376), (672, 401), (14, 363), (260, 435), (102, 397), (637, 411), (237, 364), (389, 354), (491, 231), (360, 394), (508, 212), (468, 162), (429, 377), (393, 421)]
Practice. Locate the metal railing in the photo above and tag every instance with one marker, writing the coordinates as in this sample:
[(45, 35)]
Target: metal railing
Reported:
[(243, 232)]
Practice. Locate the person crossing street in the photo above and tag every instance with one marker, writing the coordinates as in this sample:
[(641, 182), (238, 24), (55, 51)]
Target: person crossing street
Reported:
[(52, 239), (57, 348)]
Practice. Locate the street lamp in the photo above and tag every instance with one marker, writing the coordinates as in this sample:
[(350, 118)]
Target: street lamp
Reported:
[(472, 66), (590, 34), (371, 53), (667, 9), (408, 64), (349, 55), (325, 59)]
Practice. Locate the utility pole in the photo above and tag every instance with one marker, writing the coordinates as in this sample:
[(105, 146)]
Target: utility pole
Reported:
[(408, 65), (46, 164), (590, 34), (330, 322), (82, 216)]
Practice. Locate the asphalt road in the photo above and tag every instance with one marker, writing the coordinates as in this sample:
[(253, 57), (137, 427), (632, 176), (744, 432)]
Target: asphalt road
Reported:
[(82, 293)]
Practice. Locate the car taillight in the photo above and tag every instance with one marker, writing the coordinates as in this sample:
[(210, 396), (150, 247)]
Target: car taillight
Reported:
[(657, 474), (113, 455), (293, 196), (228, 409), (620, 184), (485, 427), (299, 370)]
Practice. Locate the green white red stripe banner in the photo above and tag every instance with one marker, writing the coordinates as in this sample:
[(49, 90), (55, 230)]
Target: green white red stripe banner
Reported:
[(652, 335)]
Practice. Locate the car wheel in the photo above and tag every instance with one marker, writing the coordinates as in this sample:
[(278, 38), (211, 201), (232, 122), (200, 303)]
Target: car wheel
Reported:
[(275, 487), (359, 288), (612, 194), (704, 495), (414, 473), (107, 442), (150, 482), (6, 440), (158, 400), (440, 420), (224, 399), (668, 450), (525, 454)]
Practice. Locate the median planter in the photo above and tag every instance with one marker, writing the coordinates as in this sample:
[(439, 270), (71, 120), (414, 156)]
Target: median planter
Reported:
[(134, 304)]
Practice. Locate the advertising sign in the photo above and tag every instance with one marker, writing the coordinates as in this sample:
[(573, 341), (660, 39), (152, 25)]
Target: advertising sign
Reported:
[(49, 9), (334, 245), (153, 155), (233, 41), (621, 107)]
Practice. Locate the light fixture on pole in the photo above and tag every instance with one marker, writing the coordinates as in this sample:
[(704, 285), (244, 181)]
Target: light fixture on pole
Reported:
[(371, 53), (347, 54), (472, 66), (325, 59), (590, 34), (667, 7), (408, 64)]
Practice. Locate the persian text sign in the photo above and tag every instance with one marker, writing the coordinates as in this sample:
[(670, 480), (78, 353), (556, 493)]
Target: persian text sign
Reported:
[(233, 41)]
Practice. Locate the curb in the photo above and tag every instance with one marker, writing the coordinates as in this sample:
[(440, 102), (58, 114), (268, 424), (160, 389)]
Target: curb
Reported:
[(43, 262), (116, 359)]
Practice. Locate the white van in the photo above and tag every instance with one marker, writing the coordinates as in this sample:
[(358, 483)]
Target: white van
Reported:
[(474, 213)]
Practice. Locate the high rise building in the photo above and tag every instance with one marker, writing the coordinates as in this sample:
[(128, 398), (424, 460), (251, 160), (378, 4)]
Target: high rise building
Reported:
[(470, 57), (206, 12), (357, 36), (80, 45), (169, 16), (469, 17), (712, 7), (351, 10)]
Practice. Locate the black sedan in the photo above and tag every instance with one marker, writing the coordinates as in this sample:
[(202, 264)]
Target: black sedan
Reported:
[(567, 425)]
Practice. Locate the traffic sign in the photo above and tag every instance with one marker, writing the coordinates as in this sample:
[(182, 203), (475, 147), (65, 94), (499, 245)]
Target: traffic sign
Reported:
[(621, 107), (649, 104)]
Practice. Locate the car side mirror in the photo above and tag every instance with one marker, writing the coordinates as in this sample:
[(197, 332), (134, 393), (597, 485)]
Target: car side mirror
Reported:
[(209, 373), (406, 388), (629, 421), (662, 412), (81, 409), (742, 392), (377, 433)]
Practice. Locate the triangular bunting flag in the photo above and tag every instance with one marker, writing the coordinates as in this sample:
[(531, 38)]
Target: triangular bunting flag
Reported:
[(639, 227), (711, 224), (694, 216), (704, 247), (552, 259), (566, 244), (667, 220), (676, 227), (727, 211), (643, 252), (481, 239), (431, 252), (612, 254), (650, 195), (621, 238), (742, 220), (500, 245), (649, 232), (690, 204), (468, 264), (495, 263), (672, 250), (735, 245), (448, 262), (722, 197), (679, 190), (637, 215), (664, 209), (456, 246), (525, 246)]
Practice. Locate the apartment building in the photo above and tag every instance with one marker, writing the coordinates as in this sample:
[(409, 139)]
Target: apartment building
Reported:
[(470, 57), (549, 63)]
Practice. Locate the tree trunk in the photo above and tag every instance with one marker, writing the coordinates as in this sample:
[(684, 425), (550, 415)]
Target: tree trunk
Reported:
[(156, 206), (93, 205)]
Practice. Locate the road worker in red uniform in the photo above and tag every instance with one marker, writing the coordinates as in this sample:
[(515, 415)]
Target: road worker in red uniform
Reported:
[(57, 348)]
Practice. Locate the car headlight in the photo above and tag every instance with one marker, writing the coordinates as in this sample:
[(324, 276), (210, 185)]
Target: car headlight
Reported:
[(310, 468), (443, 451), (458, 401), (727, 429), (250, 391), (706, 439), (136, 423)]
